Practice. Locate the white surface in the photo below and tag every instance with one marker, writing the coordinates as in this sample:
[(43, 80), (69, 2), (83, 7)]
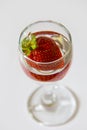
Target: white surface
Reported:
[(15, 86)]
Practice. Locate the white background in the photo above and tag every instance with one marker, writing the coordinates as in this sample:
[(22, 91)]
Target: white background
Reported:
[(15, 86)]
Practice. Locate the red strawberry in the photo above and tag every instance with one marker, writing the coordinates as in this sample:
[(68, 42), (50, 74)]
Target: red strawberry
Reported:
[(46, 51)]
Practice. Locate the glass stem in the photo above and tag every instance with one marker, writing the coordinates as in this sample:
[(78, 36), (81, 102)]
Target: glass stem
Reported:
[(49, 100)]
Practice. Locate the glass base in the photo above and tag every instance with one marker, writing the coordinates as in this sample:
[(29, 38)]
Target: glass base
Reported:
[(52, 105)]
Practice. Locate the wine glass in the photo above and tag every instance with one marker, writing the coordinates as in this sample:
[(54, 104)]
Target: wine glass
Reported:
[(51, 104)]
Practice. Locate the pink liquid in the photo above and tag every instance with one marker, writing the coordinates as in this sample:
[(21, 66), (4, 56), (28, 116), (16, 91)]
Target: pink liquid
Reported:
[(52, 77)]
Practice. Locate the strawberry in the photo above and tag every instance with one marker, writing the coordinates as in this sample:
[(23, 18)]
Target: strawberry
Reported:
[(46, 51), (42, 49)]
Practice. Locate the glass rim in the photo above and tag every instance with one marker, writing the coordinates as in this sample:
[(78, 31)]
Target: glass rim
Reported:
[(45, 21)]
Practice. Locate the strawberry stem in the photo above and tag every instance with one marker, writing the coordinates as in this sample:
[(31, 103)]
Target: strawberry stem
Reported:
[(28, 44)]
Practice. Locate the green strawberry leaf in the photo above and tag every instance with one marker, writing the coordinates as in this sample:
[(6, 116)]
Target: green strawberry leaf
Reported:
[(29, 43)]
